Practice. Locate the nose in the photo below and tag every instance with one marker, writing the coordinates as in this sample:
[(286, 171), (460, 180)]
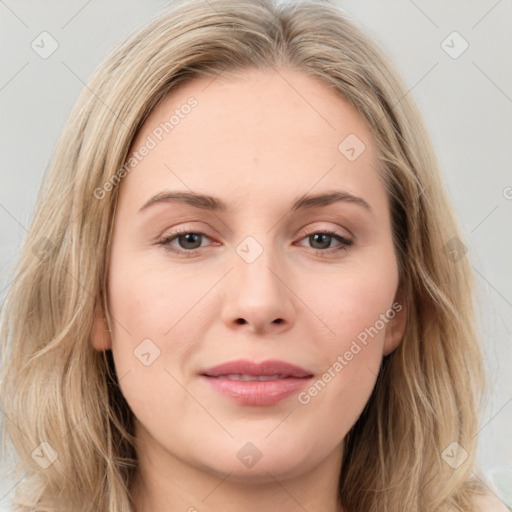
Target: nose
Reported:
[(258, 296)]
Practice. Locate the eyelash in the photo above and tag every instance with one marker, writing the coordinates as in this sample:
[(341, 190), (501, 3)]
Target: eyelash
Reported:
[(166, 241)]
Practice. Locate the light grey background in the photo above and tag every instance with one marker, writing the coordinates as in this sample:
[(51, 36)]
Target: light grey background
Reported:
[(466, 102)]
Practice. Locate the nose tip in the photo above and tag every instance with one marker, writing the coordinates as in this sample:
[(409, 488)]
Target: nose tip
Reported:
[(257, 298)]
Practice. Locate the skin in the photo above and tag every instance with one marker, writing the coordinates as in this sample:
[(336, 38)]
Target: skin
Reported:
[(257, 140)]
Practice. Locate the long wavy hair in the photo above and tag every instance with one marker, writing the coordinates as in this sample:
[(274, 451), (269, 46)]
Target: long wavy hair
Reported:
[(61, 398)]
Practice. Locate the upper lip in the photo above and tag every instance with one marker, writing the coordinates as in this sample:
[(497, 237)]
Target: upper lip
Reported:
[(265, 368)]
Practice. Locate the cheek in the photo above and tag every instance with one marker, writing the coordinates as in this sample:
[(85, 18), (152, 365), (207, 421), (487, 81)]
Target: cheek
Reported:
[(158, 316), (356, 305), (361, 316), (350, 359), (150, 300), (151, 333)]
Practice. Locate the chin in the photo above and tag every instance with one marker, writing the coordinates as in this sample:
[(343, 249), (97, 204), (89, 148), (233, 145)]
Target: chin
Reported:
[(260, 461)]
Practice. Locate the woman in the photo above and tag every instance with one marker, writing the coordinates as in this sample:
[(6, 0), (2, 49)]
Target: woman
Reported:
[(313, 348)]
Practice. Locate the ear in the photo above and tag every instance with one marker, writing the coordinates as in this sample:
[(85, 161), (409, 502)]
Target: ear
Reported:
[(100, 335), (395, 328)]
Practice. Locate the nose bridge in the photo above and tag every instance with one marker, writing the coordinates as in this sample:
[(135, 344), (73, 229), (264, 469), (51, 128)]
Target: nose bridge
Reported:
[(257, 257)]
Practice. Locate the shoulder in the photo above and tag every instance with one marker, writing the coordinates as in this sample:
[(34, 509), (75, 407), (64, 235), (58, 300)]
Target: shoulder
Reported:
[(489, 503)]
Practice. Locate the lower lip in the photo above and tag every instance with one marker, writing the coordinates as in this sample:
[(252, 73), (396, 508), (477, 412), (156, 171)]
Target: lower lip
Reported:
[(257, 392)]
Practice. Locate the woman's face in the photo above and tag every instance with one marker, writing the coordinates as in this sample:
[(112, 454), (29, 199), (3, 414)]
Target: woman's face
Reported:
[(290, 259)]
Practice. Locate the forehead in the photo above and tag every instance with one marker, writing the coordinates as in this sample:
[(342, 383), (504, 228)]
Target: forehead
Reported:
[(254, 133)]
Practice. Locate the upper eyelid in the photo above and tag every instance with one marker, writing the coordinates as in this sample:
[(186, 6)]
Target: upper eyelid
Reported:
[(306, 231), (309, 231)]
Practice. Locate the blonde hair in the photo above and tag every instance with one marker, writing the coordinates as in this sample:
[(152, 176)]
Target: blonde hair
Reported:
[(57, 389)]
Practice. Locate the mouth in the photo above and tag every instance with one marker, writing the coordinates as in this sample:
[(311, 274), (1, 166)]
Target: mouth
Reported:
[(249, 383), (245, 377)]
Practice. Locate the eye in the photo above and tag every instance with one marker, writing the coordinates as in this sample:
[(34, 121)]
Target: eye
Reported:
[(189, 242), (322, 239)]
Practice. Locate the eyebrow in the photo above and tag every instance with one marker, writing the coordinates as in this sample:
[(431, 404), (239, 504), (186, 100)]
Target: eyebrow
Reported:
[(207, 202)]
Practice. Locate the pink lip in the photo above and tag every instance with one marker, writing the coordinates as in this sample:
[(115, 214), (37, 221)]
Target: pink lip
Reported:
[(291, 380)]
